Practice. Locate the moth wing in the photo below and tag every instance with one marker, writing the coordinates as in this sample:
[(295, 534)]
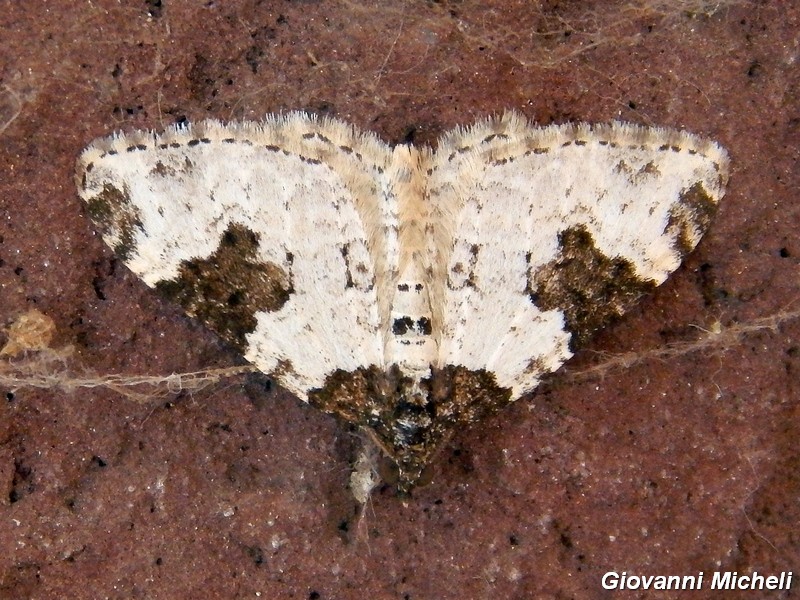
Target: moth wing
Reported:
[(542, 235), (272, 233)]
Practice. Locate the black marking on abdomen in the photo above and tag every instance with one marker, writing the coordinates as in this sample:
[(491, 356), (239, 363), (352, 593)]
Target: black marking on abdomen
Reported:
[(424, 326), (403, 325)]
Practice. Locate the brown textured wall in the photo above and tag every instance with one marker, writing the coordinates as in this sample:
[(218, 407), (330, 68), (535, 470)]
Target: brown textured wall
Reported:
[(671, 465)]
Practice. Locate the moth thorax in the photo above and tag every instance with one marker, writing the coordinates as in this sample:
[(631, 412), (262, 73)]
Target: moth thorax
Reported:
[(410, 344)]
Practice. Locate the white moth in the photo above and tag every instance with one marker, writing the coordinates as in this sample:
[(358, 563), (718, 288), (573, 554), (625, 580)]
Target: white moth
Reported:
[(409, 291)]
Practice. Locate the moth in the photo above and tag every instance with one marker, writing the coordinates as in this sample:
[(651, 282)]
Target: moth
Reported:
[(409, 291)]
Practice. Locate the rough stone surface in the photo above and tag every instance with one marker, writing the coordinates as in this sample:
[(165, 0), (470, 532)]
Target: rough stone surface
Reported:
[(671, 466)]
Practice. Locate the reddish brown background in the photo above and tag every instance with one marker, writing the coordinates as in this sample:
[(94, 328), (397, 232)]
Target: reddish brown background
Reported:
[(672, 466)]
